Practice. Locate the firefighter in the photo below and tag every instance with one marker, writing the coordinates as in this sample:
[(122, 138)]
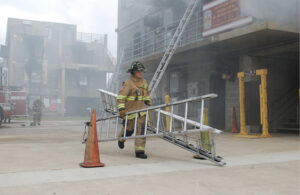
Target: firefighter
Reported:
[(37, 108), (134, 95)]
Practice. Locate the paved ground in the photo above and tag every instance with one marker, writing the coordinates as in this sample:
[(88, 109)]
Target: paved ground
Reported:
[(44, 160)]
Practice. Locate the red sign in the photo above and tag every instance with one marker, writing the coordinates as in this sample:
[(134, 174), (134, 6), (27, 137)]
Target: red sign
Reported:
[(222, 15)]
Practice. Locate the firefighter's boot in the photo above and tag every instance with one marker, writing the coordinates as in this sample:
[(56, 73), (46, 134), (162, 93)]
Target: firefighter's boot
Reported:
[(140, 154), (121, 144)]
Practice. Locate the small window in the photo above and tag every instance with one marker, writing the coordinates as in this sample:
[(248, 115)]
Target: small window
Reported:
[(83, 80), (174, 82), (36, 77)]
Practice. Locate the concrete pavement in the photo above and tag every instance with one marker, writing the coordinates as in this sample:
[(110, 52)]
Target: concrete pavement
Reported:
[(44, 160)]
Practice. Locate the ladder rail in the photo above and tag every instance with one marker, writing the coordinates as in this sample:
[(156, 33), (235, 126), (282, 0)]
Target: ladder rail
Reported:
[(160, 133)]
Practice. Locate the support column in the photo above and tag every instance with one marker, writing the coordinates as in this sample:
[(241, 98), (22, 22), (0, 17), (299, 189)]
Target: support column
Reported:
[(241, 76), (264, 104)]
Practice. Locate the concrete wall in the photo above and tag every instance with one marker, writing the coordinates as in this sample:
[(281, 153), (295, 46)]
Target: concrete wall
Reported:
[(278, 11), (76, 87)]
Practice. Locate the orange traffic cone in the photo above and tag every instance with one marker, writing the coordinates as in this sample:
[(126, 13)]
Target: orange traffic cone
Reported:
[(91, 157), (234, 128)]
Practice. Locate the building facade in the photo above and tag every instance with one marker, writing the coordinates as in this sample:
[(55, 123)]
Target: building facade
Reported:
[(223, 37), (54, 62)]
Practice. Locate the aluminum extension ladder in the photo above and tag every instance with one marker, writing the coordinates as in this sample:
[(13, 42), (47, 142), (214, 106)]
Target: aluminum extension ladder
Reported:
[(172, 45), (113, 85), (181, 131)]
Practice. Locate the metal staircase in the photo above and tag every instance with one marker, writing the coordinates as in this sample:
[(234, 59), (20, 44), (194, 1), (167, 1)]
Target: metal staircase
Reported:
[(284, 113)]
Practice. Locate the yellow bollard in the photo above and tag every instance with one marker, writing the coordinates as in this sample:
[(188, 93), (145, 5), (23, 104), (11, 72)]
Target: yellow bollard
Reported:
[(204, 136), (241, 76), (168, 109), (264, 104), (261, 104)]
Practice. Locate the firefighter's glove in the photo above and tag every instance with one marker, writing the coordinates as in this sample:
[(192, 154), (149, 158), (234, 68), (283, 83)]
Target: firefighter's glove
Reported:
[(148, 103), (122, 113)]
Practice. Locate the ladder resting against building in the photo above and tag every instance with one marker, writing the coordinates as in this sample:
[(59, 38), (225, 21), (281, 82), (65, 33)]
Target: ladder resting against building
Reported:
[(178, 130), (162, 67)]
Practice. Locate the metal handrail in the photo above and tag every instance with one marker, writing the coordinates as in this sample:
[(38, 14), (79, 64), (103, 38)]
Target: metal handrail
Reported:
[(156, 41)]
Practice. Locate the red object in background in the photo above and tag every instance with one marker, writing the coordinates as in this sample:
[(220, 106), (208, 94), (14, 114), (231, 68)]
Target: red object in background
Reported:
[(53, 107), (13, 99), (18, 100), (4, 103)]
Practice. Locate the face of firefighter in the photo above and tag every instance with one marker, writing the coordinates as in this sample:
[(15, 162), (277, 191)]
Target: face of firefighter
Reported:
[(138, 74)]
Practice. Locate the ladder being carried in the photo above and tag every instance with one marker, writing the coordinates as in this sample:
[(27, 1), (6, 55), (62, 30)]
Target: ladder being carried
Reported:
[(177, 131)]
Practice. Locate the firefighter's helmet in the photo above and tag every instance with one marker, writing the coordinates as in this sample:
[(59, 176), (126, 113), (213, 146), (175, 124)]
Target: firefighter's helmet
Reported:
[(136, 66)]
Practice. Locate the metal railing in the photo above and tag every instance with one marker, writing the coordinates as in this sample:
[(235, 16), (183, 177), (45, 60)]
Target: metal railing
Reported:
[(90, 37), (157, 41)]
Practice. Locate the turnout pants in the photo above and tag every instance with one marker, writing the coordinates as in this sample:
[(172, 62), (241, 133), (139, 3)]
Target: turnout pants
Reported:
[(140, 129), (37, 117)]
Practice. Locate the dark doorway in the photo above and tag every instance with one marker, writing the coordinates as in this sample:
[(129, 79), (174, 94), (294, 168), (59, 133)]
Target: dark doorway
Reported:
[(252, 107), (217, 105)]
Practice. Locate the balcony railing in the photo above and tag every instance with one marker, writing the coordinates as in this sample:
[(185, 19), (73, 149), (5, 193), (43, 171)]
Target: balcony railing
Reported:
[(156, 41), (91, 37)]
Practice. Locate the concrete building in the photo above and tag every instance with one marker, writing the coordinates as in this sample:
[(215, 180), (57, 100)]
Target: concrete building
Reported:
[(3, 55), (54, 62), (224, 37)]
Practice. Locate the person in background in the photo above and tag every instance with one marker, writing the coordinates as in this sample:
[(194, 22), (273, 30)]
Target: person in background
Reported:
[(37, 108)]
